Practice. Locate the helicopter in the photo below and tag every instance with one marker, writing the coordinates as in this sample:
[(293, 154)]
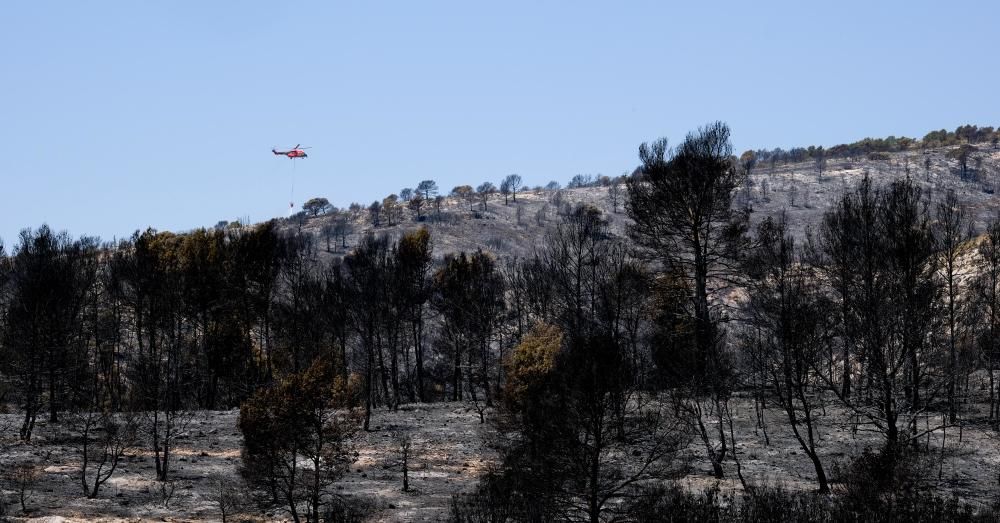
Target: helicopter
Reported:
[(293, 153)]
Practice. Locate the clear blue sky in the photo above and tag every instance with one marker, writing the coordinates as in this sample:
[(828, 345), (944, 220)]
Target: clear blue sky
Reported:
[(121, 115)]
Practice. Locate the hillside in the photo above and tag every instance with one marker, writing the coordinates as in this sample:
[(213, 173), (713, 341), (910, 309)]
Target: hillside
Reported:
[(450, 354), (797, 188)]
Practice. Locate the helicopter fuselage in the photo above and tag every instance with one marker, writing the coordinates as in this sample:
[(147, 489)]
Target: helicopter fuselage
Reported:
[(294, 153)]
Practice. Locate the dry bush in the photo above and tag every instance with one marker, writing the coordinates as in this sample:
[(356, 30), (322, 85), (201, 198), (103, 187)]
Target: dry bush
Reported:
[(403, 443), (22, 479), (498, 499), (532, 359), (673, 504), (230, 494), (101, 439), (877, 478), (349, 509)]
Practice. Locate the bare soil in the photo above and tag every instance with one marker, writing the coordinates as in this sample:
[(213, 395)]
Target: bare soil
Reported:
[(450, 454)]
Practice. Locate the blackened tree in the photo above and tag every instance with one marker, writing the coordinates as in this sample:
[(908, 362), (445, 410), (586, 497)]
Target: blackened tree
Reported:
[(788, 325), (50, 278), (584, 436), (464, 193), (102, 434), (201, 266), (368, 276), (162, 368), (484, 191), (513, 183), (953, 230), (986, 300), (880, 245), (329, 232), (468, 295), (615, 192), (909, 264), (343, 226), (508, 186), (819, 158), (391, 209), (375, 213), (682, 214), (412, 262), (574, 256), (295, 439), (833, 252), (416, 204), (962, 155)]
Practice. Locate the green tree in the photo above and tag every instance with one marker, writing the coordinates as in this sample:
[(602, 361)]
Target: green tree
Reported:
[(317, 206), (427, 188)]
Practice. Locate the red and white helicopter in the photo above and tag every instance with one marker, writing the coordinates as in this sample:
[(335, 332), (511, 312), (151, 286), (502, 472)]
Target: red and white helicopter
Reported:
[(293, 153)]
